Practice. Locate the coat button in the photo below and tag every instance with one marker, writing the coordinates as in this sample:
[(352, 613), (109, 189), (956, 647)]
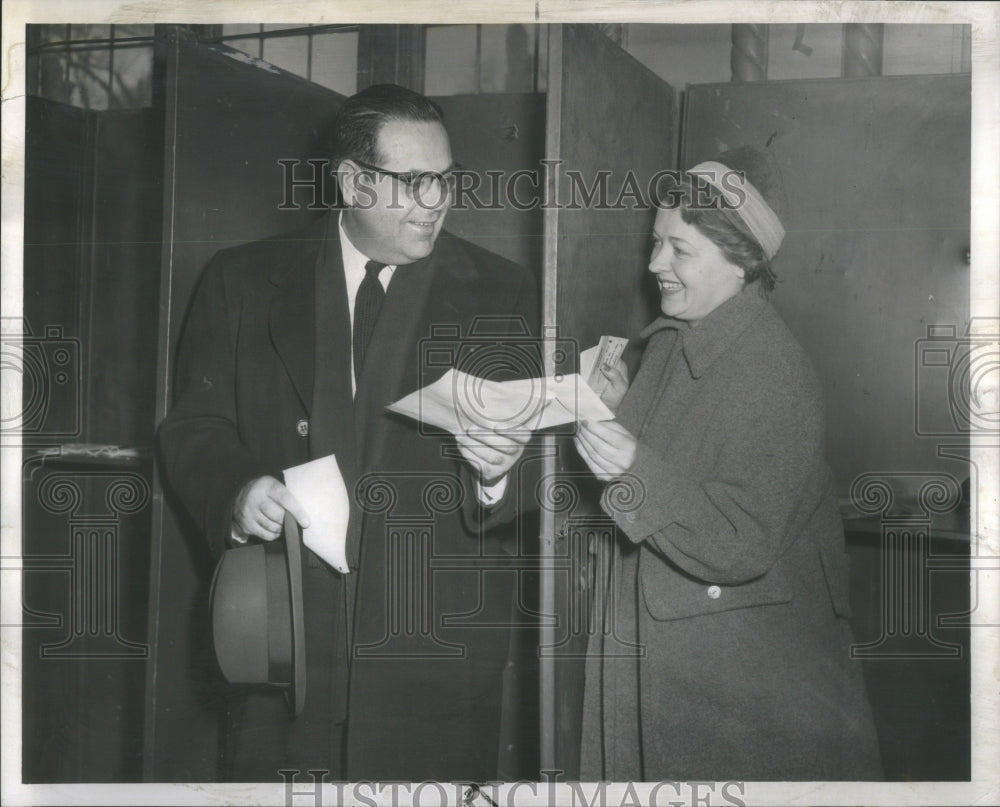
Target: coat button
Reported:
[(714, 592), (302, 427)]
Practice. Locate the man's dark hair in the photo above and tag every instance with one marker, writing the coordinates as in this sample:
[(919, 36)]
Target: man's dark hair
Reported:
[(360, 119)]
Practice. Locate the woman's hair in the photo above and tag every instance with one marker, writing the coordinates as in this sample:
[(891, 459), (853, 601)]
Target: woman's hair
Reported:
[(728, 232), (704, 209)]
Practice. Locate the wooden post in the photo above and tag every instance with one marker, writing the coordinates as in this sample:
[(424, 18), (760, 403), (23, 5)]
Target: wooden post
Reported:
[(862, 50), (391, 54), (748, 59)]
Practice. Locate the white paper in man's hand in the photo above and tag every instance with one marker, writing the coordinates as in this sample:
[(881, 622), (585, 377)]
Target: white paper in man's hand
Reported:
[(319, 487), (458, 402)]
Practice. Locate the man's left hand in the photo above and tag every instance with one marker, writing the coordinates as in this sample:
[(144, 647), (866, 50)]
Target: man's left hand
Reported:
[(492, 452)]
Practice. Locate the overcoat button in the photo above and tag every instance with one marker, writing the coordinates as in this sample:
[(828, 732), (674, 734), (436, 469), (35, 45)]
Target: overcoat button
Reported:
[(714, 592), (302, 427)]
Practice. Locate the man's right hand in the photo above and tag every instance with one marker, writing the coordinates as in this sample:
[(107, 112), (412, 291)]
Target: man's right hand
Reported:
[(260, 509)]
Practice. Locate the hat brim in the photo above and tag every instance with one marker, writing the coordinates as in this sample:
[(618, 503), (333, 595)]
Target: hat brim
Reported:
[(258, 625), (296, 696)]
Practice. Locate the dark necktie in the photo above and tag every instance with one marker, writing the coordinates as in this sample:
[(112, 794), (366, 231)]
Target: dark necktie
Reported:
[(366, 307)]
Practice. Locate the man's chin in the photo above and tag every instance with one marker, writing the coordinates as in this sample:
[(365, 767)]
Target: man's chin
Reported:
[(419, 250)]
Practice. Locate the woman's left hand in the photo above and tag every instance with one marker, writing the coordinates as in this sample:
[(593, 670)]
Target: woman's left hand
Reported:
[(617, 386), (606, 446)]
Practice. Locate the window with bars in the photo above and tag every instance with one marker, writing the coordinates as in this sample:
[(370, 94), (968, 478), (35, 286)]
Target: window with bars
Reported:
[(325, 54), (484, 59), (457, 58), (111, 66), (91, 66)]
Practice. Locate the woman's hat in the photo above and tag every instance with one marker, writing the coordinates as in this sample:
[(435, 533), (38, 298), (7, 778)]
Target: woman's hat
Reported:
[(751, 179), (257, 623)]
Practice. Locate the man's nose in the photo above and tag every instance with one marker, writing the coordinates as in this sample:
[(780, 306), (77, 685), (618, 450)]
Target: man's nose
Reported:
[(432, 196)]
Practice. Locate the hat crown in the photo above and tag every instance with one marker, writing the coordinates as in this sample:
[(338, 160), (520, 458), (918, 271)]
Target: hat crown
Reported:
[(761, 170)]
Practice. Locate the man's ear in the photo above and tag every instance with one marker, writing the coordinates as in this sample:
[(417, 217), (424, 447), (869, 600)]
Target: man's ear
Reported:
[(346, 174)]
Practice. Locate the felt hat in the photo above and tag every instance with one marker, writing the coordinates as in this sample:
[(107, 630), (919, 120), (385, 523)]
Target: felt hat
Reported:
[(257, 617)]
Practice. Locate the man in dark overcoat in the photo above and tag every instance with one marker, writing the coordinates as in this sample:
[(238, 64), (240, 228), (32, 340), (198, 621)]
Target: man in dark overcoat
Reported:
[(292, 349)]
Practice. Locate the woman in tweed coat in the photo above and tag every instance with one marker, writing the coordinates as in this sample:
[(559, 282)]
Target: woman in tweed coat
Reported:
[(725, 653)]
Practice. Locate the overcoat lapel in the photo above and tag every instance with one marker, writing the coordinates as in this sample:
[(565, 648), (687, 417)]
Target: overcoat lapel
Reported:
[(391, 347), (403, 309), (291, 317), (332, 406), (408, 312)]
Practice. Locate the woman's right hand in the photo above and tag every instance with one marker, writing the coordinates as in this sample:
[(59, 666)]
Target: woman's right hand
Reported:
[(607, 447), (617, 386)]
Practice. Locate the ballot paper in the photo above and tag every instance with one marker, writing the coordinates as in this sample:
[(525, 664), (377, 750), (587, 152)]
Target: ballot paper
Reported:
[(604, 354), (458, 402), (320, 489)]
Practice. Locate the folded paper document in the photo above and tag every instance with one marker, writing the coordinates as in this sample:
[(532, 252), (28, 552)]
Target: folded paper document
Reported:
[(458, 402), (320, 489)]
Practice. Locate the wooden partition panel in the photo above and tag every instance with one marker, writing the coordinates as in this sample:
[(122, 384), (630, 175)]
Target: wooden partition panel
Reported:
[(92, 211), (605, 113), (877, 174), (229, 119), (499, 133)]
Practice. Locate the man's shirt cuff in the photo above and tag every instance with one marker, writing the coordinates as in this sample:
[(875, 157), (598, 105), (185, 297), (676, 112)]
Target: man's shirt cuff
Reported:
[(490, 495)]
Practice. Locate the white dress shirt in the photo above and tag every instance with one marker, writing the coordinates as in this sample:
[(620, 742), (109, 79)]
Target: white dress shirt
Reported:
[(354, 272)]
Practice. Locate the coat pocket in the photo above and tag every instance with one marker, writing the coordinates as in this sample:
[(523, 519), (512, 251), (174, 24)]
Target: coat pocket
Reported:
[(669, 594)]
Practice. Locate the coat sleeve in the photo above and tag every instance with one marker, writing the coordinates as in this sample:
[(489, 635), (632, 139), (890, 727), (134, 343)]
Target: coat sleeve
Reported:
[(477, 516), (731, 524), (203, 458)]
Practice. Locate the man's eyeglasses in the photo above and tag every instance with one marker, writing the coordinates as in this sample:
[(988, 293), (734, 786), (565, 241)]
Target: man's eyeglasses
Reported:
[(424, 186)]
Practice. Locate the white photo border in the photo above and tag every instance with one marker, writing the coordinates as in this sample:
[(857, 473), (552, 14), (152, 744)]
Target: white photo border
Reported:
[(984, 787)]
